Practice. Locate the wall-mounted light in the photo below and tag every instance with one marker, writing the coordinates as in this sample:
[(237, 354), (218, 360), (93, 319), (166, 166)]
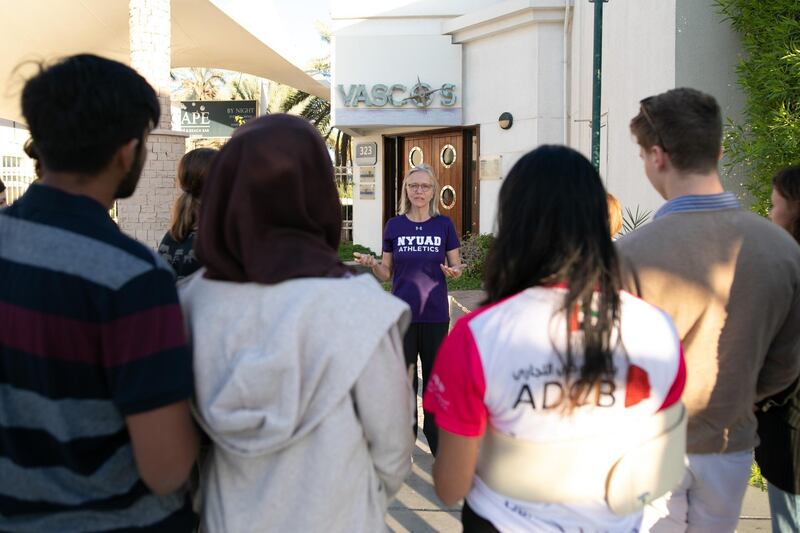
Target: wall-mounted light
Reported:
[(505, 121)]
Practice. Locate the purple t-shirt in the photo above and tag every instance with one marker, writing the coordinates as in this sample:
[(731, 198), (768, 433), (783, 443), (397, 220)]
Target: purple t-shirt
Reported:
[(418, 248)]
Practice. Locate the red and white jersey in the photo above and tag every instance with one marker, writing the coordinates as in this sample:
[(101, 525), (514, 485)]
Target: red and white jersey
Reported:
[(504, 365)]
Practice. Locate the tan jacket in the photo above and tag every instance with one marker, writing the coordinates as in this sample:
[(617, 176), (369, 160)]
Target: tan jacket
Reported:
[(731, 282)]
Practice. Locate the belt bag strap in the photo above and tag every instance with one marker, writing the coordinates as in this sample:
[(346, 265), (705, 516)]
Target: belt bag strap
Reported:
[(628, 470)]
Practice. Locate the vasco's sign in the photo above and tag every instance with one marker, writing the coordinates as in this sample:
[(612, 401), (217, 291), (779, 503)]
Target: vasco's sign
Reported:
[(397, 95), (213, 118)]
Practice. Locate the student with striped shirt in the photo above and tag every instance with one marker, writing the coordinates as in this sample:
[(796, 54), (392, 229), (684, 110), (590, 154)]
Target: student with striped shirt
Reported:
[(95, 372)]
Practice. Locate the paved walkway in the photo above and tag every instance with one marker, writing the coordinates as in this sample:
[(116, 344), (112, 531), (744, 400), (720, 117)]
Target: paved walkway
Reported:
[(417, 509)]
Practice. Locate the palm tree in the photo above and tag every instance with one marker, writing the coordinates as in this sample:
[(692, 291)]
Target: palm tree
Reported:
[(199, 83), (245, 88), (318, 111), (312, 108)]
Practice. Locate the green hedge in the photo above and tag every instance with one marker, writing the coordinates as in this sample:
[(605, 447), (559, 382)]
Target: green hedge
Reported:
[(347, 248), (474, 249), (769, 74)]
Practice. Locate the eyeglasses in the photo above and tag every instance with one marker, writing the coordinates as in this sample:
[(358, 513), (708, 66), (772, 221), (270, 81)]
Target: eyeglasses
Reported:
[(424, 187), (649, 119)]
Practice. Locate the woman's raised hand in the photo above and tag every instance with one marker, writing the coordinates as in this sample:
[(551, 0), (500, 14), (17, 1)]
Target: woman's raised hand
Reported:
[(454, 271), (366, 260)]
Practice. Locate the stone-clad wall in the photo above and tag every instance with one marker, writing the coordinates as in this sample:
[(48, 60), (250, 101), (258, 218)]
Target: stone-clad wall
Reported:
[(146, 214), (150, 42)]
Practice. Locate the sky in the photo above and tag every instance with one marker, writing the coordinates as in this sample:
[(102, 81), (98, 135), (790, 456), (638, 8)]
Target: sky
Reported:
[(287, 26)]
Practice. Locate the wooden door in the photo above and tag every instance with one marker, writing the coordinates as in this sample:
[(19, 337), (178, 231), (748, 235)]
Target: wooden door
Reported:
[(447, 151), (444, 153), (418, 149)]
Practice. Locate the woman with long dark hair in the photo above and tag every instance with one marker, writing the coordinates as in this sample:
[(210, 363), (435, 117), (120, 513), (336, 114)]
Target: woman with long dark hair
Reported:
[(778, 454), (560, 372), (299, 374), (177, 246)]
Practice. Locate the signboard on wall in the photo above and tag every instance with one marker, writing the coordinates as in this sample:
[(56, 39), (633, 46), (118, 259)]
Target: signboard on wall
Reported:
[(420, 94), (396, 80), (491, 167), (366, 183), (366, 154), (215, 118)]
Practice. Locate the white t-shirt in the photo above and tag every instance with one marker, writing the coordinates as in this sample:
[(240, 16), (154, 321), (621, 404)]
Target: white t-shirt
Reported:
[(501, 365)]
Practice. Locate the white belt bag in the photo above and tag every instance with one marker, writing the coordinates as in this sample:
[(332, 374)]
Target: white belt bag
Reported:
[(628, 470)]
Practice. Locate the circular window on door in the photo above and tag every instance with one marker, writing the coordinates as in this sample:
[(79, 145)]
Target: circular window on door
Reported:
[(448, 197), (415, 157), (447, 156)]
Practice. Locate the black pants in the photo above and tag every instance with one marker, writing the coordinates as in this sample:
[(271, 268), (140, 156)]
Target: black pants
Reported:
[(474, 523), (424, 339)]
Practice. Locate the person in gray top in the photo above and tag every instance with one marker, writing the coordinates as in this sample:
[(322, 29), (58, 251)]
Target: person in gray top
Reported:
[(300, 377)]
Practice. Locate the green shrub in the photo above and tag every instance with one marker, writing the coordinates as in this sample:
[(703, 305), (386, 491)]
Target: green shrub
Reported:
[(347, 248), (756, 479), (474, 249), (769, 74)]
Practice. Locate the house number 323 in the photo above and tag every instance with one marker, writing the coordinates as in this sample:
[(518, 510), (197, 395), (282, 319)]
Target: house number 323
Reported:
[(366, 154)]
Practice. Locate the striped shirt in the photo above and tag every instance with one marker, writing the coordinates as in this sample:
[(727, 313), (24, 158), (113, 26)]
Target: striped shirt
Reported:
[(698, 202), (90, 332)]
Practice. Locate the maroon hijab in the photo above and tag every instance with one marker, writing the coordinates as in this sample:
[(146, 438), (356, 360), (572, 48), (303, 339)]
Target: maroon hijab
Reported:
[(269, 211)]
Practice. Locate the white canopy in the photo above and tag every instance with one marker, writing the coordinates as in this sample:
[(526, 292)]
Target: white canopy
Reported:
[(202, 36)]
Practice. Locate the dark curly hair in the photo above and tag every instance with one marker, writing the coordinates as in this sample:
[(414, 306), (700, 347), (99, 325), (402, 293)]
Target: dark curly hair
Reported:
[(81, 109)]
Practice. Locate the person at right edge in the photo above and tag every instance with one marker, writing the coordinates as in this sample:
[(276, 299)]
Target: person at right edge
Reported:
[(778, 454), (731, 282)]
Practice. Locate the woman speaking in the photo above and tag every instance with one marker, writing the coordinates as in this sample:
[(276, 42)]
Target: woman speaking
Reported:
[(420, 250)]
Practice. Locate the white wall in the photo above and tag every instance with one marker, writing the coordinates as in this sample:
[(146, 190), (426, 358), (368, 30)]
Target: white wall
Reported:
[(357, 9), (518, 69), (368, 214), (638, 61), (707, 51)]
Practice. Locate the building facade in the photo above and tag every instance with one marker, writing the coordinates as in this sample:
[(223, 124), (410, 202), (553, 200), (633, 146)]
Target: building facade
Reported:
[(469, 86)]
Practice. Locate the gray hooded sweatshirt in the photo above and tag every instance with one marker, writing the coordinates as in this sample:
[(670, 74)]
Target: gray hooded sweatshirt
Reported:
[(303, 389)]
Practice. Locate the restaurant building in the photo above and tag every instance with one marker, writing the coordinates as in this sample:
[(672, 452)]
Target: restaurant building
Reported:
[(469, 86)]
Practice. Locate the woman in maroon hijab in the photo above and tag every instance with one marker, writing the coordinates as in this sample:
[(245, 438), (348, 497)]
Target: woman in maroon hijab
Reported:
[(299, 372)]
